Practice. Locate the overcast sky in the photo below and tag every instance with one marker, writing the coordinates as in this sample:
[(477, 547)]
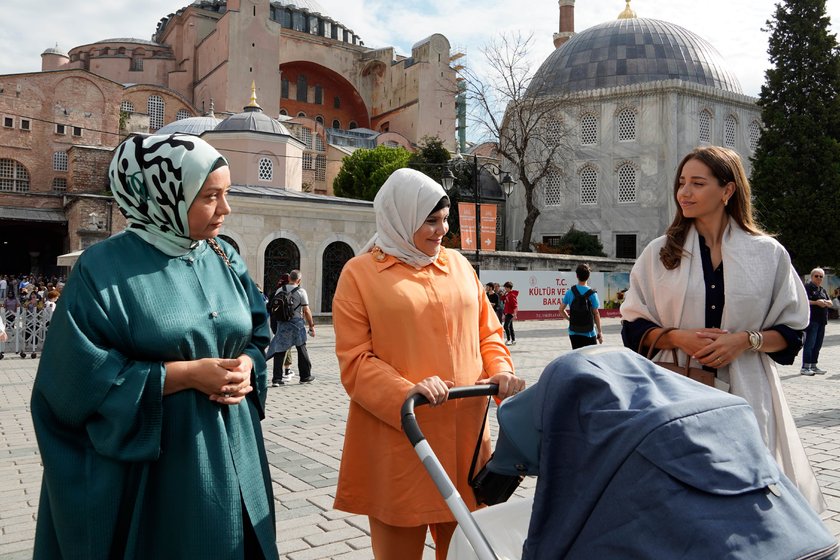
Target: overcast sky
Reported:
[(732, 26)]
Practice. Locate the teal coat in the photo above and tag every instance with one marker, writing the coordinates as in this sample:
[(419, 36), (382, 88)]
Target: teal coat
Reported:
[(129, 473)]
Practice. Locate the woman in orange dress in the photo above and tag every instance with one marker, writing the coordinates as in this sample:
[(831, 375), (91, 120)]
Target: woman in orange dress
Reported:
[(412, 318)]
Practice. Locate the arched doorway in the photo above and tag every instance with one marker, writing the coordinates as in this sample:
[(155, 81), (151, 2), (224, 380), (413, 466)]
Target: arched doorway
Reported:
[(335, 256), (281, 256), (232, 242)]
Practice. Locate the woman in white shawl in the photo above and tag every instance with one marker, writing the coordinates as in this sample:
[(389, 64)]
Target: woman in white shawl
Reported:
[(733, 296)]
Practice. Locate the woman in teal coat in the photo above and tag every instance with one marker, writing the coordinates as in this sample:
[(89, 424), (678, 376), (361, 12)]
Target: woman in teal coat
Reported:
[(149, 395)]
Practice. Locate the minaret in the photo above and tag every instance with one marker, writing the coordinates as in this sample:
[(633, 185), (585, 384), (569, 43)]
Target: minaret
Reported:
[(627, 13), (567, 22)]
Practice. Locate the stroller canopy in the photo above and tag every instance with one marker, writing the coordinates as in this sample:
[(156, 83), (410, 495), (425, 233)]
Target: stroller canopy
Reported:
[(636, 461)]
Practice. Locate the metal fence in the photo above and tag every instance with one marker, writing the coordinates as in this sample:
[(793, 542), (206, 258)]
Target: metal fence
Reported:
[(26, 331)]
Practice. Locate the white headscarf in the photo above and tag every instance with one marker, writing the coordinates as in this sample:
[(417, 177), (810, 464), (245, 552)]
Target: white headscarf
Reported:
[(401, 206)]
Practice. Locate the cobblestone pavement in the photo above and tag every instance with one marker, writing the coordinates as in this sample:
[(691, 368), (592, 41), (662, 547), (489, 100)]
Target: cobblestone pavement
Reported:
[(304, 432)]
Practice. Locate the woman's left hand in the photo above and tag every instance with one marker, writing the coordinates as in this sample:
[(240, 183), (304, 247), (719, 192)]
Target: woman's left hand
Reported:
[(508, 384), (724, 348), (237, 383)]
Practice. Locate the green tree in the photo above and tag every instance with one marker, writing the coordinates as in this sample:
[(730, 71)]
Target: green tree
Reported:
[(363, 172), (574, 242), (796, 166), (431, 157)]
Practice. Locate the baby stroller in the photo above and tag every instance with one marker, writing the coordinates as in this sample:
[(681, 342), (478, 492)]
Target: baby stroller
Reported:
[(636, 462)]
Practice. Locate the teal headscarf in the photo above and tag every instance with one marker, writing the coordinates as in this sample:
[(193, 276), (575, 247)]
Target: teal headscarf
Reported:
[(155, 180)]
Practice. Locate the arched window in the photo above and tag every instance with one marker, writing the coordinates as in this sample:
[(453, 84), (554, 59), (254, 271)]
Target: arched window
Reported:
[(266, 169), (588, 178), (705, 135), (301, 114), (554, 132), (59, 161), (182, 114), (232, 243), (755, 134), (553, 189), (284, 88), (281, 257), (59, 184), (319, 143), (156, 108), (730, 129), (588, 130), (319, 95), (306, 137), (627, 183), (284, 112), (626, 125), (13, 176), (336, 123), (126, 107), (353, 125), (336, 256), (319, 119)]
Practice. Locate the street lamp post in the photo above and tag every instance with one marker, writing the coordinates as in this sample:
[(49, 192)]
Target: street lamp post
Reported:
[(448, 180)]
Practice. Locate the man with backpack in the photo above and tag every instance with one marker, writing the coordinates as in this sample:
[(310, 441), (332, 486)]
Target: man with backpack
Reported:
[(289, 308), (580, 306)]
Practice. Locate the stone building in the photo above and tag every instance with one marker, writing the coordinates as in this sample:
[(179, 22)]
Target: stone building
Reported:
[(635, 95), (314, 78)]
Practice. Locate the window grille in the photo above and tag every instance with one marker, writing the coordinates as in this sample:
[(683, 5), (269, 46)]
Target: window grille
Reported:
[(730, 127), (319, 143), (705, 127), (156, 107), (755, 134), (625, 246), (60, 161), (302, 89), (266, 169), (627, 183), (307, 161), (126, 107), (13, 176), (626, 125), (588, 186), (320, 168), (553, 132), (306, 137), (588, 130), (553, 189), (59, 184), (182, 114)]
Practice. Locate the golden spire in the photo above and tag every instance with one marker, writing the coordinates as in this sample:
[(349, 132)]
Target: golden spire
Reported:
[(253, 103), (627, 13)]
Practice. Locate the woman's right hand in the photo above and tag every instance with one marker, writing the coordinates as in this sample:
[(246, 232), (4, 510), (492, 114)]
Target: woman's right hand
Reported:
[(210, 376), (690, 341), (435, 389)]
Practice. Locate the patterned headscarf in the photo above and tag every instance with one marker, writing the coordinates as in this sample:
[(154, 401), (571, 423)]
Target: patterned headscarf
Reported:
[(155, 180), (401, 206)]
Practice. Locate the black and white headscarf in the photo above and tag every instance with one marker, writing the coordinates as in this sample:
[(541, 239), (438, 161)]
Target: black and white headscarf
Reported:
[(155, 180)]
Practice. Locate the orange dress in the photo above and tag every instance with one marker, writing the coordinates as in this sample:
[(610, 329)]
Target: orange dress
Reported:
[(395, 326)]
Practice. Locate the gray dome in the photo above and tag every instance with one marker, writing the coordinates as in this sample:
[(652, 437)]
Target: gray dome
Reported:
[(252, 120), (632, 51), (191, 125)]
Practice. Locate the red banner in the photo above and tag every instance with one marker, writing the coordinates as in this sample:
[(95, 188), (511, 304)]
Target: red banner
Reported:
[(488, 227), (466, 211)]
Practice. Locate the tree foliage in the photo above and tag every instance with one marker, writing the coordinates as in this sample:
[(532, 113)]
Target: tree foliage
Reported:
[(574, 242), (796, 166), (516, 111), (432, 158), (364, 171)]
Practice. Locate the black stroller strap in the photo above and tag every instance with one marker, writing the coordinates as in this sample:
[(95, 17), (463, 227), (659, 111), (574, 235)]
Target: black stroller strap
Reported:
[(471, 475)]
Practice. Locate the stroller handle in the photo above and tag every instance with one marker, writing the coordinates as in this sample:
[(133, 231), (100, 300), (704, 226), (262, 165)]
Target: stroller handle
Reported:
[(444, 485), (409, 421)]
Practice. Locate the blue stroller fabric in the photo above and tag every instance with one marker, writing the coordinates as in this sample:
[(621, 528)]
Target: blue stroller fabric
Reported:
[(637, 462)]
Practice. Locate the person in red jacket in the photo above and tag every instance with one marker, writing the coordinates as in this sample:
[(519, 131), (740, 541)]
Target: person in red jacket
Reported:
[(511, 307)]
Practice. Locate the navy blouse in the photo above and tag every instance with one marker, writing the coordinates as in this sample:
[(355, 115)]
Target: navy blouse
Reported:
[(633, 331)]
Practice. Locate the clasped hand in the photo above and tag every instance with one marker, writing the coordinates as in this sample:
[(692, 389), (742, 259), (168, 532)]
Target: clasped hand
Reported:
[(712, 347), (226, 380), (436, 390)]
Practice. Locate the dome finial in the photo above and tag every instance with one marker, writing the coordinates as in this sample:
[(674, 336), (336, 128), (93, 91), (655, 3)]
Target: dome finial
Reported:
[(252, 104), (627, 13), (212, 112)]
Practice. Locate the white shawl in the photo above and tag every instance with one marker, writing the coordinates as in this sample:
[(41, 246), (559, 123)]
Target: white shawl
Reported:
[(761, 290), (401, 206)]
